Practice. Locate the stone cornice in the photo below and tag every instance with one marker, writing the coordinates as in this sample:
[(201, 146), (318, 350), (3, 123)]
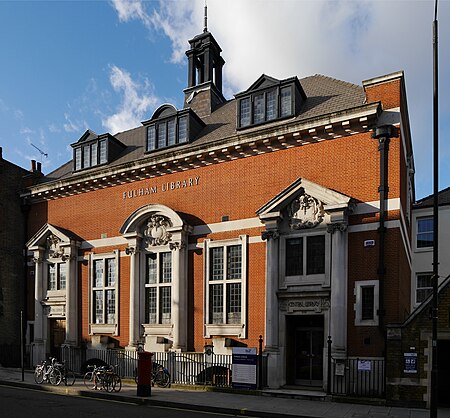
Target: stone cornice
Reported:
[(285, 134)]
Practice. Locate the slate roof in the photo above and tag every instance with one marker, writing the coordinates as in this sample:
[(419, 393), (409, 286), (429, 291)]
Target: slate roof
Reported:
[(443, 199), (325, 95)]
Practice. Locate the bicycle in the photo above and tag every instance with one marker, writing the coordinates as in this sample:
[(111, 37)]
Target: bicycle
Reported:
[(47, 372), (160, 376), (102, 377), (67, 375)]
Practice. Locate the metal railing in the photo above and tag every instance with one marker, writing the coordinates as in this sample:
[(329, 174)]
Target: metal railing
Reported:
[(185, 368), (360, 377)]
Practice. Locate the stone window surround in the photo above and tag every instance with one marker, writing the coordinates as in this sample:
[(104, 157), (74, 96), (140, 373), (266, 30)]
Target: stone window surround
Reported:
[(358, 304), (95, 329), (236, 330), (323, 279)]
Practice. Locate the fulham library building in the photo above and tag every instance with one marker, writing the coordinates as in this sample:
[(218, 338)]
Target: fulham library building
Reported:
[(278, 217)]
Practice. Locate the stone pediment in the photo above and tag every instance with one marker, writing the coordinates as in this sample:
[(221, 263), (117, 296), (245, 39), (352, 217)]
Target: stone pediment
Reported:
[(53, 240), (305, 204)]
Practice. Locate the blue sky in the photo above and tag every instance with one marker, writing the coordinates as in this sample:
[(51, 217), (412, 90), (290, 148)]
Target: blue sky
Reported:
[(107, 65)]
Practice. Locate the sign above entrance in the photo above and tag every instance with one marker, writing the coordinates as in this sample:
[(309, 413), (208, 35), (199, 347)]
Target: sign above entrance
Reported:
[(161, 188), (303, 304)]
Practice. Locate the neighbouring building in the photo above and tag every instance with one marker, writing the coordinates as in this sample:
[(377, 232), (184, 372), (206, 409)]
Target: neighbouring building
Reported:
[(409, 343), (284, 212), (12, 256)]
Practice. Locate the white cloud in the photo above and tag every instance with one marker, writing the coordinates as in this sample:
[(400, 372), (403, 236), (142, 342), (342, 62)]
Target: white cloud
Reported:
[(53, 128), (26, 131), (348, 40), (70, 125), (137, 99), (131, 9)]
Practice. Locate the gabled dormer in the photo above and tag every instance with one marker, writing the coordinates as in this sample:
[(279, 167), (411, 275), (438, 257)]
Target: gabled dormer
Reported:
[(269, 99), (169, 127), (93, 150)]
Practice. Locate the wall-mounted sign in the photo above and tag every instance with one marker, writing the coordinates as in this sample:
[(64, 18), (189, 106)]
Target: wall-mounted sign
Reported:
[(364, 365), (410, 362)]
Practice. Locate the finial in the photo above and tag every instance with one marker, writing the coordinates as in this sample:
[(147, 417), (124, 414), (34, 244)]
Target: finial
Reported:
[(205, 28)]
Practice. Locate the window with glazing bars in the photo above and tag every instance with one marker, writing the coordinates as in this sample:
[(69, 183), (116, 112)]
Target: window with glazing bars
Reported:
[(56, 276), (425, 232), (104, 292), (424, 286), (367, 302), (225, 284), (300, 257), (158, 301)]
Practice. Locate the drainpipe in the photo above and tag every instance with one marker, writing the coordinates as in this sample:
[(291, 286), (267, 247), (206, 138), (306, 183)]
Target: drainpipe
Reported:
[(383, 135)]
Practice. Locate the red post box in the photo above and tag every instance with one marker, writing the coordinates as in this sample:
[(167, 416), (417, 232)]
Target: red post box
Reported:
[(144, 383)]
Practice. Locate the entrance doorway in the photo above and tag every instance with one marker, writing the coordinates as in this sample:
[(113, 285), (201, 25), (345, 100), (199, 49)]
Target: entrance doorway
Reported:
[(57, 335), (305, 345)]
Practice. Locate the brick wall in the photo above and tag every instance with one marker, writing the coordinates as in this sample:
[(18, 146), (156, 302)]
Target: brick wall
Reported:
[(237, 189), (12, 241)]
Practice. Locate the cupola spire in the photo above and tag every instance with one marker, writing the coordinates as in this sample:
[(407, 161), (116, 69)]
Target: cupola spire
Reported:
[(204, 72), (205, 25)]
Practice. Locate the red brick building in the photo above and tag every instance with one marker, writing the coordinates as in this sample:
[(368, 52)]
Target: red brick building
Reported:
[(283, 212)]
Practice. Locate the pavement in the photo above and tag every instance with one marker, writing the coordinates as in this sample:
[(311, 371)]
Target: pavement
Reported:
[(266, 404)]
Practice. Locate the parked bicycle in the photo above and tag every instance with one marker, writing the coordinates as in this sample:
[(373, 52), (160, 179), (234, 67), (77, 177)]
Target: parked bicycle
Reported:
[(160, 376), (47, 371), (67, 375), (102, 378)]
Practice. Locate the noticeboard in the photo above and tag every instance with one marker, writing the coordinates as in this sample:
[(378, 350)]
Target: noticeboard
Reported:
[(410, 362), (244, 368)]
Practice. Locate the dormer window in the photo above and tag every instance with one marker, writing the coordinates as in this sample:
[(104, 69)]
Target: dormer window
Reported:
[(169, 127), (92, 150), (267, 100)]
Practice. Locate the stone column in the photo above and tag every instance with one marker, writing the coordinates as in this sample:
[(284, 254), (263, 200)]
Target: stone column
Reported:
[(71, 310), (135, 286), (272, 331), (272, 273), (179, 293), (39, 328), (338, 298)]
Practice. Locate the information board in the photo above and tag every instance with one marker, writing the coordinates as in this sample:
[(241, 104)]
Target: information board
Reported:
[(244, 368)]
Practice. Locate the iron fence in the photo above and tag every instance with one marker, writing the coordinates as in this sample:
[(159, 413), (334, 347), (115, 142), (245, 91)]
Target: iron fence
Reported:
[(358, 377), (185, 368)]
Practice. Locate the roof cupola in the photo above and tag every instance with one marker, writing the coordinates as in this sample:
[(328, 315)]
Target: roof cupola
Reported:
[(204, 73)]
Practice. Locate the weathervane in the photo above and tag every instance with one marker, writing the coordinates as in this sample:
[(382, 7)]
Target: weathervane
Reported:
[(43, 154)]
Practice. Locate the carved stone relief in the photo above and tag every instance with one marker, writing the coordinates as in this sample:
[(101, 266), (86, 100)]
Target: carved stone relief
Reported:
[(156, 231), (305, 211), (54, 248)]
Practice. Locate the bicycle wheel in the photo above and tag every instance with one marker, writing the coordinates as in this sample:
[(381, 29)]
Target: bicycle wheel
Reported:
[(69, 377), (161, 378), (89, 380), (55, 377), (39, 375), (117, 383), (113, 383), (165, 379)]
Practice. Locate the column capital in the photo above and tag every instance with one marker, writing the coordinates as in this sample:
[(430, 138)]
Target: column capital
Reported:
[(336, 226), (177, 245), (272, 234)]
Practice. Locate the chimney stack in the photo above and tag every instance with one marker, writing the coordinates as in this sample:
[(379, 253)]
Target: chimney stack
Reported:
[(33, 165)]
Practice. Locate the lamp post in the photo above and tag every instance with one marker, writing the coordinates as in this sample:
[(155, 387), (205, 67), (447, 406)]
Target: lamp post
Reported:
[(434, 364)]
